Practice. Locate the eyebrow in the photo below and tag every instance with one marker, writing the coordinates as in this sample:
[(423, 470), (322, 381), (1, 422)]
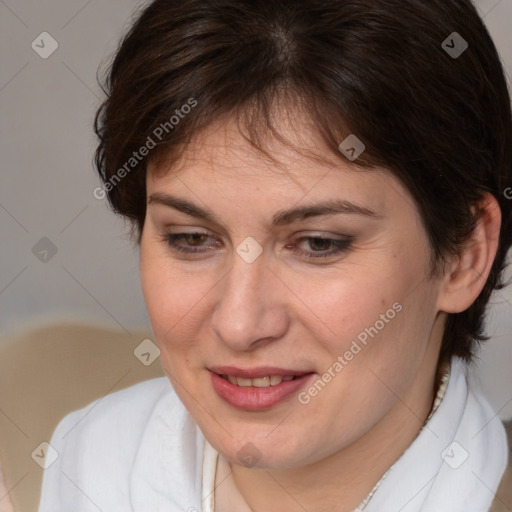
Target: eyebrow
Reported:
[(280, 218)]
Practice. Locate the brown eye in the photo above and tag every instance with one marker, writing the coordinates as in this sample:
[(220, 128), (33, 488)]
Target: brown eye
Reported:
[(192, 240), (324, 247)]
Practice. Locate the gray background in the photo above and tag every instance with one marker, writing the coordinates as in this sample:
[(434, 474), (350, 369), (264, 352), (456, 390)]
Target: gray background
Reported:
[(47, 179)]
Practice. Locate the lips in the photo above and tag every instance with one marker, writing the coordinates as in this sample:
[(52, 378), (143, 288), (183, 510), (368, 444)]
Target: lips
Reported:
[(256, 389)]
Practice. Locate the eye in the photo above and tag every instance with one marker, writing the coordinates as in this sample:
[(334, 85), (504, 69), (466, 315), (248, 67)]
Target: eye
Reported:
[(320, 246), (193, 242)]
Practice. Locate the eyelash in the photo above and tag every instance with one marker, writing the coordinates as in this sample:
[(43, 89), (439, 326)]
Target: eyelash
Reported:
[(343, 245)]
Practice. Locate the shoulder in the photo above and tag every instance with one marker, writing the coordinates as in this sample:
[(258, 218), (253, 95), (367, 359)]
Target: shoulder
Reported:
[(95, 448), (117, 415)]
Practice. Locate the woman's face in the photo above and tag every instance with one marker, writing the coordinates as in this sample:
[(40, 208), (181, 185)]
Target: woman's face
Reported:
[(340, 300)]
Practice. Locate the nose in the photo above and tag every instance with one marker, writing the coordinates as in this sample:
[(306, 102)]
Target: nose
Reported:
[(250, 309)]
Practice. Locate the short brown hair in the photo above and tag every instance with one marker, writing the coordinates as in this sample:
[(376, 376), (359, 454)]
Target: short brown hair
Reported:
[(438, 120)]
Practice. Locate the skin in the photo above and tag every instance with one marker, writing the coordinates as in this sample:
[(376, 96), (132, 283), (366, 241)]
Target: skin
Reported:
[(289, 311)]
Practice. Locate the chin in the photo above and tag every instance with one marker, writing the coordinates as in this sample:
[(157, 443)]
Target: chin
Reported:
[(260, 452)]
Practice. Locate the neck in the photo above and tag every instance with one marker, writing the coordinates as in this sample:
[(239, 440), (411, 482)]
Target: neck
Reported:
[(343, 480)]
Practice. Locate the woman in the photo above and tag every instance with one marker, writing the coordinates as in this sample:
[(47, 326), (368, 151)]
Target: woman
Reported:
[(317, 189)]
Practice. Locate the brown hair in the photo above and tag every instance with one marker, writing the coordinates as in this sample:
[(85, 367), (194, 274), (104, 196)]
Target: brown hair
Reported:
[(438, 120)]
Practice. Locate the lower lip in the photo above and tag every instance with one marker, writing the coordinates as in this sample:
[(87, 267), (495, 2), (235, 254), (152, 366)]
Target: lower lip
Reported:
[(256, 399)]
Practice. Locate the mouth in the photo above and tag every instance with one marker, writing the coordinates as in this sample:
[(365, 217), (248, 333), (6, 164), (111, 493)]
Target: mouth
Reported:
[(258, 388), (258, 382)]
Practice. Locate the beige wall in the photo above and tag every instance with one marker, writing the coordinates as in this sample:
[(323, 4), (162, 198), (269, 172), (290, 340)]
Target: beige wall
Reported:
[(46, 180)]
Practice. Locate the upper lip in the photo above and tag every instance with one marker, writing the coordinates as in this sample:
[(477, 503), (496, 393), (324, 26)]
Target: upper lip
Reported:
[(254, 373)]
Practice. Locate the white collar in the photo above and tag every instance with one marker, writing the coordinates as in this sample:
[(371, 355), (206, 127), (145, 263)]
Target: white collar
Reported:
[(462, 448)]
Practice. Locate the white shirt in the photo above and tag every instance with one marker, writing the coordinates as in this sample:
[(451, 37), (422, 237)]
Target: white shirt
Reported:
[(140, 450)]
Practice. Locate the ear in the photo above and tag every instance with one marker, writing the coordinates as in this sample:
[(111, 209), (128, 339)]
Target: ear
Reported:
[(466, 275)]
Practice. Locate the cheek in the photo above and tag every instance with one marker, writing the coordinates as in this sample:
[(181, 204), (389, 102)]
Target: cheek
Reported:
[(382, 342), (168, 292), (175, 301), (376, 317), (344, 306)]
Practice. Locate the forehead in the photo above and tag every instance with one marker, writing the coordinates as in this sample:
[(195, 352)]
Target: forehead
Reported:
[(221, 162), (229, 137), (225, 146)]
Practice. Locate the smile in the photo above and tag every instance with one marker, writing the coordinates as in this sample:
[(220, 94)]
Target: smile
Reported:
[(259, 382), (258, 389)]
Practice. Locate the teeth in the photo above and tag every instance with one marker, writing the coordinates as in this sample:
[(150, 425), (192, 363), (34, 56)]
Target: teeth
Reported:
[(276, 379), (259, 382)]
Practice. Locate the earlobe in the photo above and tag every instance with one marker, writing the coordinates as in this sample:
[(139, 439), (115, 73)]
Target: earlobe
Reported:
[(468, 273)]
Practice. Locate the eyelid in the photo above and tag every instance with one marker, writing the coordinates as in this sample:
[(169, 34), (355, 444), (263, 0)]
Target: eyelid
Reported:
[(190, 230), (342, 245)]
